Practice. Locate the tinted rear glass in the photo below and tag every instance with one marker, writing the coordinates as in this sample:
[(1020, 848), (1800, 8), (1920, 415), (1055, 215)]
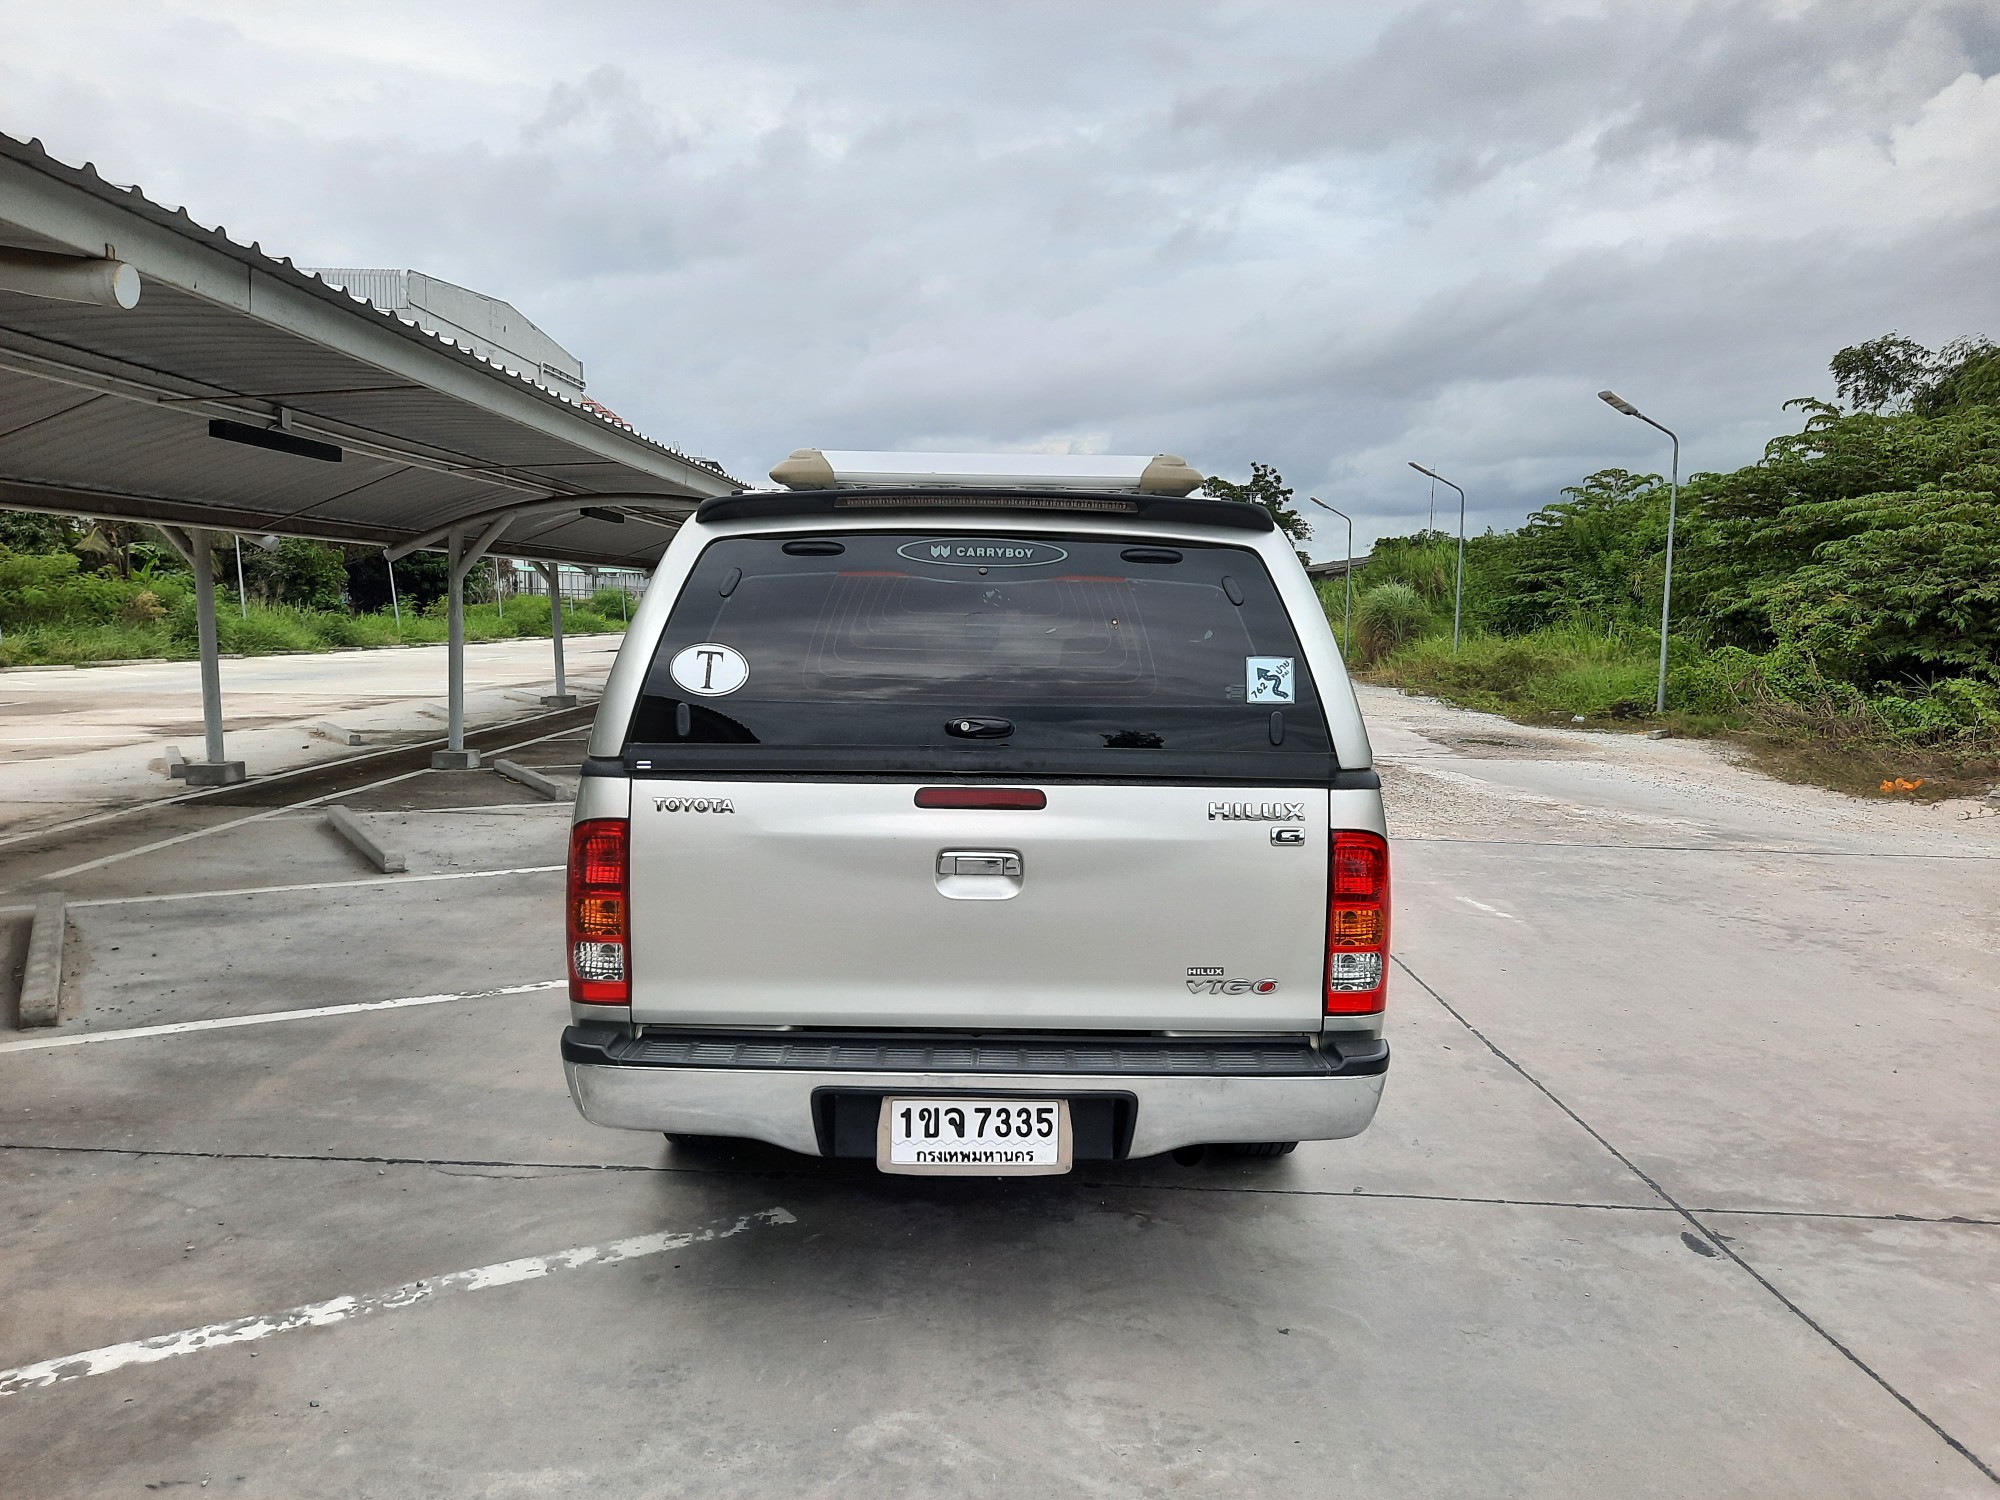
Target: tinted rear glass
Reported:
[(994, 651)]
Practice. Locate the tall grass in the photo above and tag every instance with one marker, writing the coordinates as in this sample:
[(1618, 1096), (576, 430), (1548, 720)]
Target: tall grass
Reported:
[(273, 628), (1560, 670)]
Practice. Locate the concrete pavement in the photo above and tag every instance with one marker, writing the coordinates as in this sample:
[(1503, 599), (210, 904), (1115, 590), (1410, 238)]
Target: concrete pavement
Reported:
[(77, 740), (1683, 1182)]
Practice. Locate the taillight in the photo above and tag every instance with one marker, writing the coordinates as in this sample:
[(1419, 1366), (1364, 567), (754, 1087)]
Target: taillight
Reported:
[(599, 942), (1357, 924)]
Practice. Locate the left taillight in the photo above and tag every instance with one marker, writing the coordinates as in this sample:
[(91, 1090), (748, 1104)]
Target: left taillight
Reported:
[(1357, 924), (599, 887)]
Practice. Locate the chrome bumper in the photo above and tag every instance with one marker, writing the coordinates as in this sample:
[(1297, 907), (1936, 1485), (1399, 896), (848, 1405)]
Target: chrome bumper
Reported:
[(775, 1104)]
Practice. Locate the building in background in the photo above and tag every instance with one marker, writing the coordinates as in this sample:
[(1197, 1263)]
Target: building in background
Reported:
[(579, 584), (494, 330)]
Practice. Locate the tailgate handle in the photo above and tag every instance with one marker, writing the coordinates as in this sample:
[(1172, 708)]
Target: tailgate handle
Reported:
[(979, 862), (979, 729)]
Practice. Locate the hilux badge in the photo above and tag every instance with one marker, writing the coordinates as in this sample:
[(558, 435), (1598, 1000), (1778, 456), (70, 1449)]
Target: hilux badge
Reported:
[(1258, 812)]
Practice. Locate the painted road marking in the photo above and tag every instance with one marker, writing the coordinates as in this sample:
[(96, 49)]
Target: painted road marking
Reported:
[(346, 1308), (1481, 905), (202, 833), (311, 885), (220, 1023)]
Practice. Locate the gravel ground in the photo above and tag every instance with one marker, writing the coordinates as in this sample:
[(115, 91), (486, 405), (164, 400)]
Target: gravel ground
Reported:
[(1452, 772)]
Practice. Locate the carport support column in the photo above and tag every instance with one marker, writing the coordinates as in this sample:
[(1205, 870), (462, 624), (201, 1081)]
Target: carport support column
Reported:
[(455, 757), (562, 697), (198, 548), (460, 558)]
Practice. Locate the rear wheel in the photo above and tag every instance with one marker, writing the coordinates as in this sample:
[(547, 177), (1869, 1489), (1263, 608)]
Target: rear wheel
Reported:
[(1265, 1148)]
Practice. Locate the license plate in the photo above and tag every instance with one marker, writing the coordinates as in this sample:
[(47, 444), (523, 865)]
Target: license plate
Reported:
[(974, 1137)]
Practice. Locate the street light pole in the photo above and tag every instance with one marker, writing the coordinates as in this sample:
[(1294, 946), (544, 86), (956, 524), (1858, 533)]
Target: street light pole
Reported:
[(1349, 618), (1620, 404), (1458, 593)]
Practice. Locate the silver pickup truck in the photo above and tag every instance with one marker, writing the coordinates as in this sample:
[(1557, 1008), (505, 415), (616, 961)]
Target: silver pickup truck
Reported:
[(979, 816)]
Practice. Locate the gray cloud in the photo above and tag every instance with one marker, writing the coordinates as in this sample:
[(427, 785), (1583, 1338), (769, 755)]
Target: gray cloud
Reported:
[(1333, 238)]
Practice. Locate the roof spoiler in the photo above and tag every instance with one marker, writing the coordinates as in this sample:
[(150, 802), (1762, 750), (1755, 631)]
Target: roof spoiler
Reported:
[(1236, 515)]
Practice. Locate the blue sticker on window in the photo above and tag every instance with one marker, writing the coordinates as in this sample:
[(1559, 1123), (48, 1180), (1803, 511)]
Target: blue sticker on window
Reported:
[(1267, 679)]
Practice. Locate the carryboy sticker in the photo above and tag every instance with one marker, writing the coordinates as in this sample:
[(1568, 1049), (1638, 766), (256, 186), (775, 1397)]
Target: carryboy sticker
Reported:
[(981, 552), (1267, 679), (709, 670)]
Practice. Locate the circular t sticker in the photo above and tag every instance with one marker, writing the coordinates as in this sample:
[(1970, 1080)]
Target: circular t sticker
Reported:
[(709, 669)]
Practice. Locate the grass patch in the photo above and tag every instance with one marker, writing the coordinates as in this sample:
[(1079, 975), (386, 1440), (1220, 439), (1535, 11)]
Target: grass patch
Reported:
[(1557, 673), (269, 629), (1942, 738)]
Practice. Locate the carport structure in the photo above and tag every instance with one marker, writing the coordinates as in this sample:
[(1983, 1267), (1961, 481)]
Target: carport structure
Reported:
[(155, 370)]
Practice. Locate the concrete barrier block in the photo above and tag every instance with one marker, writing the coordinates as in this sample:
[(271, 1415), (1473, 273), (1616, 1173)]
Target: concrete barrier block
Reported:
[(534, 781), (344, 824), (212, 772), (41, 977)]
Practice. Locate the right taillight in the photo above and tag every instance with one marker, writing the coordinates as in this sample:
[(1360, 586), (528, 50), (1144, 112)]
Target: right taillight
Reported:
[(1357, 923), (599, 943)]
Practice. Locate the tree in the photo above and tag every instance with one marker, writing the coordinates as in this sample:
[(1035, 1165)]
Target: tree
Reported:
[(1882, 372), (1267, 488), (1902, 375), (27, 531), (1596, 554)]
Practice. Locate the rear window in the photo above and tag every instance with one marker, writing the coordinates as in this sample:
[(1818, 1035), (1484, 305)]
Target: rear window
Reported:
[(932, 651)]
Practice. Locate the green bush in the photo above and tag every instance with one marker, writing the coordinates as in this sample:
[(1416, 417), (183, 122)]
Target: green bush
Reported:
[(1563, 670), (1386, 616), (42, 589), (608, 602)]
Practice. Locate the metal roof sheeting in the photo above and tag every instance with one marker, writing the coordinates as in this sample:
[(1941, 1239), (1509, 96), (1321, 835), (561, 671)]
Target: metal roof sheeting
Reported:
[(105, 411)]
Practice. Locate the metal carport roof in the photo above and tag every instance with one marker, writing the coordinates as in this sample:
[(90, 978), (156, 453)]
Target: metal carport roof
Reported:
[(105, 410), (167, 373)]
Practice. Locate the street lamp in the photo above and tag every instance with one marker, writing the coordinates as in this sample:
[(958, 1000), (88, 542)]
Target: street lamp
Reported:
[(1620, 404), (1349, 621), (1458, 594)]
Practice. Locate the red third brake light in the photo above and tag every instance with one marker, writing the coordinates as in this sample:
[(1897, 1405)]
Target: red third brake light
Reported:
[(599, 943), (1031, 798), (1357, 924)]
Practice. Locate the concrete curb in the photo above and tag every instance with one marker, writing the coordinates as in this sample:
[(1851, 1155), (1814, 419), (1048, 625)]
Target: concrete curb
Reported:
[(344, 824), (534, 781), (41, 979)]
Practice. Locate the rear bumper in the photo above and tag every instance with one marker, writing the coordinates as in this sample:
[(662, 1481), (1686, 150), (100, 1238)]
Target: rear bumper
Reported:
[(1173, 1092)]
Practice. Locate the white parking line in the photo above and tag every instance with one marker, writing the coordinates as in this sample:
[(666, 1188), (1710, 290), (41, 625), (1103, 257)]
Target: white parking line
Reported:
[(220, 1023), (201, 833), (343, 1309), (310, 885), (206, 792)]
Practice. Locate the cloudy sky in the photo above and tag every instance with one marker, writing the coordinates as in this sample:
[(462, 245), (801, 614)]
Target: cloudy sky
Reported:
[(1333, 236)]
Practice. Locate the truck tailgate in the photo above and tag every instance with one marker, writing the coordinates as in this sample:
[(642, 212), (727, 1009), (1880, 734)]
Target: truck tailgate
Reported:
[(1114, 907)]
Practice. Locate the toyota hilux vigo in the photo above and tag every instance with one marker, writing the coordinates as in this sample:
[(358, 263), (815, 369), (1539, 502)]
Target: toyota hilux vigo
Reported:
[(981, 816)]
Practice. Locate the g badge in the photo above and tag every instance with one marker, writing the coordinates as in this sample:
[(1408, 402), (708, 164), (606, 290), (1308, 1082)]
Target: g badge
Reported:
[(709, 669)]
